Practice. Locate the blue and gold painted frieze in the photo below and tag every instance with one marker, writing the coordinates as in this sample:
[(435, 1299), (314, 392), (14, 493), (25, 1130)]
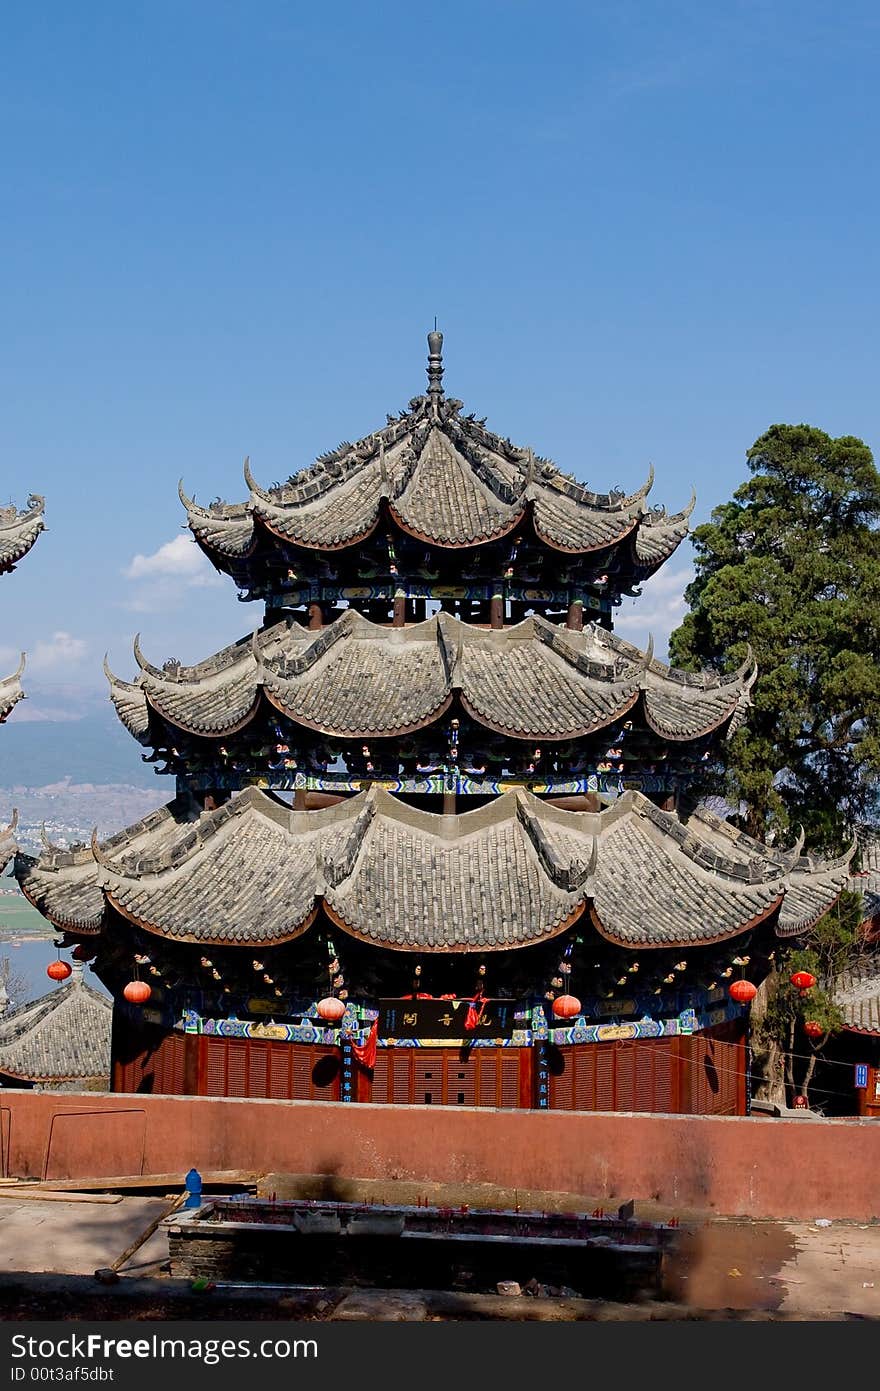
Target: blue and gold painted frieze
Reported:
[(292, 779), (528, 1027)]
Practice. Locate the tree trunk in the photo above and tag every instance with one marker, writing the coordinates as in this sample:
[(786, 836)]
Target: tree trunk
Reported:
[(755, 825), (811, 1068), (791, 1091), (767, 1067)]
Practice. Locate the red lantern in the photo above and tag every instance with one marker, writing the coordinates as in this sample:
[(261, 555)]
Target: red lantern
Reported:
[(742, 991), (58, 970), (137, 992), (83, 952), (566, 1007), (812, 1029), (330, 1009), (802, 980)]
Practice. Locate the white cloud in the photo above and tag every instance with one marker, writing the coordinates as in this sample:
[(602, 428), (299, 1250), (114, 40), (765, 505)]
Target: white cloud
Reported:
[(658, 610), (28, 713), (160, 576), (180, 558), (60, 651)]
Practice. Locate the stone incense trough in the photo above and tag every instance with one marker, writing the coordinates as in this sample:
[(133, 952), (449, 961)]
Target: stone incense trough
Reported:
[(302, 1241)]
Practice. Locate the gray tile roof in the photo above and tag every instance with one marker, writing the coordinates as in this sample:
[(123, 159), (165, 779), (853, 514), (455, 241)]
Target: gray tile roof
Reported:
[(857, 993), (356, 679), (445, 478), (10, 690), (63, 883), (867, 881), (19, 531), (7, 841), (61, 1037), (813, 885), (659, 535), (447, 502), (510, 873), (810, 895)]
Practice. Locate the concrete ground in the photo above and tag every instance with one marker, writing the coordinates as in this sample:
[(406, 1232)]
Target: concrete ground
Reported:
[(793, 1270), (78, 1238)]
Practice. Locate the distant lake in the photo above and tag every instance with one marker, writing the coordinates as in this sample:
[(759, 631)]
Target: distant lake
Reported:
[(30, 959), (21, 924)]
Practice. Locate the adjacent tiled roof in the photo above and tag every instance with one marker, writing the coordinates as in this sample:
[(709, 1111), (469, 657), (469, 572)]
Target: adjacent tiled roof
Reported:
[(63, 884), (658, 535), (857, 994), (10, 690), (63, 1036), (513, 872), (19, 531), (445, 478), (867, 881), (7, 841), (813, 884), (357, 679)]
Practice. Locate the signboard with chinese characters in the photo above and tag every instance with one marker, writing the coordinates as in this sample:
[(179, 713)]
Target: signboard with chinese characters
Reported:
[(442, 1019), (861, 1075)]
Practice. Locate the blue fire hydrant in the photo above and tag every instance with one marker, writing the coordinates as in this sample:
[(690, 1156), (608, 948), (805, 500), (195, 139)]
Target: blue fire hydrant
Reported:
[(193, 1183)]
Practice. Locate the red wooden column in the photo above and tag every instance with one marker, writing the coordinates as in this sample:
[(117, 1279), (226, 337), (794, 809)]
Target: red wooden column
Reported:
[(191, 1064), (575, 619), (316, 617)]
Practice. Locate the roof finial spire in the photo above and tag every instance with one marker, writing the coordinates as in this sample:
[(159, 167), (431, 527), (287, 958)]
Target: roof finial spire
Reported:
[(435, 364)]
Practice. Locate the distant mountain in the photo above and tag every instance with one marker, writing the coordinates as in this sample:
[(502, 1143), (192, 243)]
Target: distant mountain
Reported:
[(94, 749)]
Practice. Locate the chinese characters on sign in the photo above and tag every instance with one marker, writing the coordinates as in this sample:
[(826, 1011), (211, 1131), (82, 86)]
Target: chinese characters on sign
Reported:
[(439, 1019)]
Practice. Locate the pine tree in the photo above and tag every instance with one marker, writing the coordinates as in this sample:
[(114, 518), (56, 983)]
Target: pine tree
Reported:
[(790, 568)]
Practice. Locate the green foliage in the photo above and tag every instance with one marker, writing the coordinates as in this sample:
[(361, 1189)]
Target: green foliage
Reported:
[(790, 568), (832, 945), (790, 1008)]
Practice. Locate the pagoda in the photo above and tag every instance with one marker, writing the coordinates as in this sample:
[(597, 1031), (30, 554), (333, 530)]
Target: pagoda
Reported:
[(431, 840)]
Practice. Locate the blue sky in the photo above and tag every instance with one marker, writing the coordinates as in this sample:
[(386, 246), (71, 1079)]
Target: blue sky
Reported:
[(648, 231)]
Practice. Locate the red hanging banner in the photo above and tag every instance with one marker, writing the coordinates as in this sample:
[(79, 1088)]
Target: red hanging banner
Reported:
[(365, 1053)]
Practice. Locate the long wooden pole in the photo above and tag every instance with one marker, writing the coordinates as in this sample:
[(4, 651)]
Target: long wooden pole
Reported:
[(51, 1195), (148, 1232)]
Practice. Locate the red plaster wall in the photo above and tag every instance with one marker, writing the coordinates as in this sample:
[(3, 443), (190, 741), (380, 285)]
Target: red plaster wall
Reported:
[(732, 1165)]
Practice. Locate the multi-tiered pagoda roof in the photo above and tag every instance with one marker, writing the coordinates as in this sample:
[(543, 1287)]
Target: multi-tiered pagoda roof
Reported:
[(506, 875), (355, 680), (485, 779), (435, 501)]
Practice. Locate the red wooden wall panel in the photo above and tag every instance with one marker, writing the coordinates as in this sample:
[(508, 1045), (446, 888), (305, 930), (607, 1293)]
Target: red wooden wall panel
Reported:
[(701, 1074), (497, 1077)]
